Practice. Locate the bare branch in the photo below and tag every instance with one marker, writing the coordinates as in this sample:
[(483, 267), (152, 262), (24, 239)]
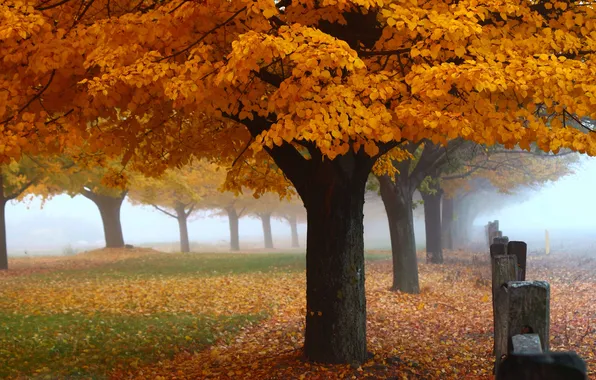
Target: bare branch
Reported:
[(165, 212)]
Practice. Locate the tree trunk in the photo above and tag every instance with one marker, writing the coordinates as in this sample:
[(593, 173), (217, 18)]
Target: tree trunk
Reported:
[(266, 221), (333, 194), (294, 226), (234, 236), (109, 208), (460, 233), (335, 299), (182, 218), (432, 224), (465, 214), (447, 223), (397, 198), (3, 244)]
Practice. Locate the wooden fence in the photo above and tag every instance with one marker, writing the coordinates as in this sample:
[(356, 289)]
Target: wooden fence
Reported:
[(521, 311)]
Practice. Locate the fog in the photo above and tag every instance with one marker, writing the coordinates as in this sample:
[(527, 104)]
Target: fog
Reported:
[(565, 208)]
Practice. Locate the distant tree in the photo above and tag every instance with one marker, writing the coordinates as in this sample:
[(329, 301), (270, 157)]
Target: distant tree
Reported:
[(264, 178), (177, 193), (507, 172), (16, 178), (102, 182), (293, 212), (264, 208)]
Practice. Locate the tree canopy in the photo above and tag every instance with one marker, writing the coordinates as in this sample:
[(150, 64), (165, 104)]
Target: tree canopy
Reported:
[(161, 80)]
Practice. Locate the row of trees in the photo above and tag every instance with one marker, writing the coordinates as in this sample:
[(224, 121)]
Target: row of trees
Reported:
[(179, 193), (314, 93)]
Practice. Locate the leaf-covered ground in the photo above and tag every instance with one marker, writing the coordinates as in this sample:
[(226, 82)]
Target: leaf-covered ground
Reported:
[(140, 314)]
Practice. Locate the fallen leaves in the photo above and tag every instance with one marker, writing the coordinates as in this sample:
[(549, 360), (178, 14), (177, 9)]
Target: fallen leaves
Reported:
[(443, 333)]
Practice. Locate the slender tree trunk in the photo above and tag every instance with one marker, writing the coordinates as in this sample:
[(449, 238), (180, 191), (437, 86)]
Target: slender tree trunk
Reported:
[(109, 209), (447, 222), (335, 299), (397, 198), (268, 236), (234, 236), (432, 224), (3, 243), (182, 218), (294, 226), (462, 224), (458, 225)]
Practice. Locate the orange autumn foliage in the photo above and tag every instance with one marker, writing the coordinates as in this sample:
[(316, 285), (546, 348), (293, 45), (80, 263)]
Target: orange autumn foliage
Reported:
[(162, 80)]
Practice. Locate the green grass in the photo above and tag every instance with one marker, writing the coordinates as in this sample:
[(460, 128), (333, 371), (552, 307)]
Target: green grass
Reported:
[(186, 264), (58, 345), (199, 264), (83, 346)]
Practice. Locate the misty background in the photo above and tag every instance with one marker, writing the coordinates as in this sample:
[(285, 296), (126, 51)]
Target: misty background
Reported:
[(64, 224)]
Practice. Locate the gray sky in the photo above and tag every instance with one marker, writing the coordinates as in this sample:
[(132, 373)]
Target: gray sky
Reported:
[(567, 203)]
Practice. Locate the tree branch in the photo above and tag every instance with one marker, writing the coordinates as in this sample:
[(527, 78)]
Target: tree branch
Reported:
[(24, 187), (34, 98), (546, 155), (165, 212), (269, 78), (383, 52), (45, 8), (204, 35), (460, 176), (190, 210), (88, 194)]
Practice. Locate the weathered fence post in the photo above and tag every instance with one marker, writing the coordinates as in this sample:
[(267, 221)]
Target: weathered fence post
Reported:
[(491, 231), (520, 250), (521, 311), (502, 240), (521, 307), (504, 269)]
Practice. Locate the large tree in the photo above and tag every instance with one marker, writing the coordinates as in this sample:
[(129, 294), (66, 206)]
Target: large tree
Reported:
[(325, 88), (397, 194)]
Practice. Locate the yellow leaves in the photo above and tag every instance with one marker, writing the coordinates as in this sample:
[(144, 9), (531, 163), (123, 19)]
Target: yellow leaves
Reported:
[(371, 148), (460, 51), (269, 12)]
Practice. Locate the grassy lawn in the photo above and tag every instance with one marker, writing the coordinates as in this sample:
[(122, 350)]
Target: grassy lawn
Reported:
[(60, 323), (80, 346)]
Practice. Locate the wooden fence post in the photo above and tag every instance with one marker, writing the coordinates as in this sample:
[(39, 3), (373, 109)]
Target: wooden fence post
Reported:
[(491, 230), (520, 250), (521, 311), (521, 307), (502, 240), (504, 269)]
